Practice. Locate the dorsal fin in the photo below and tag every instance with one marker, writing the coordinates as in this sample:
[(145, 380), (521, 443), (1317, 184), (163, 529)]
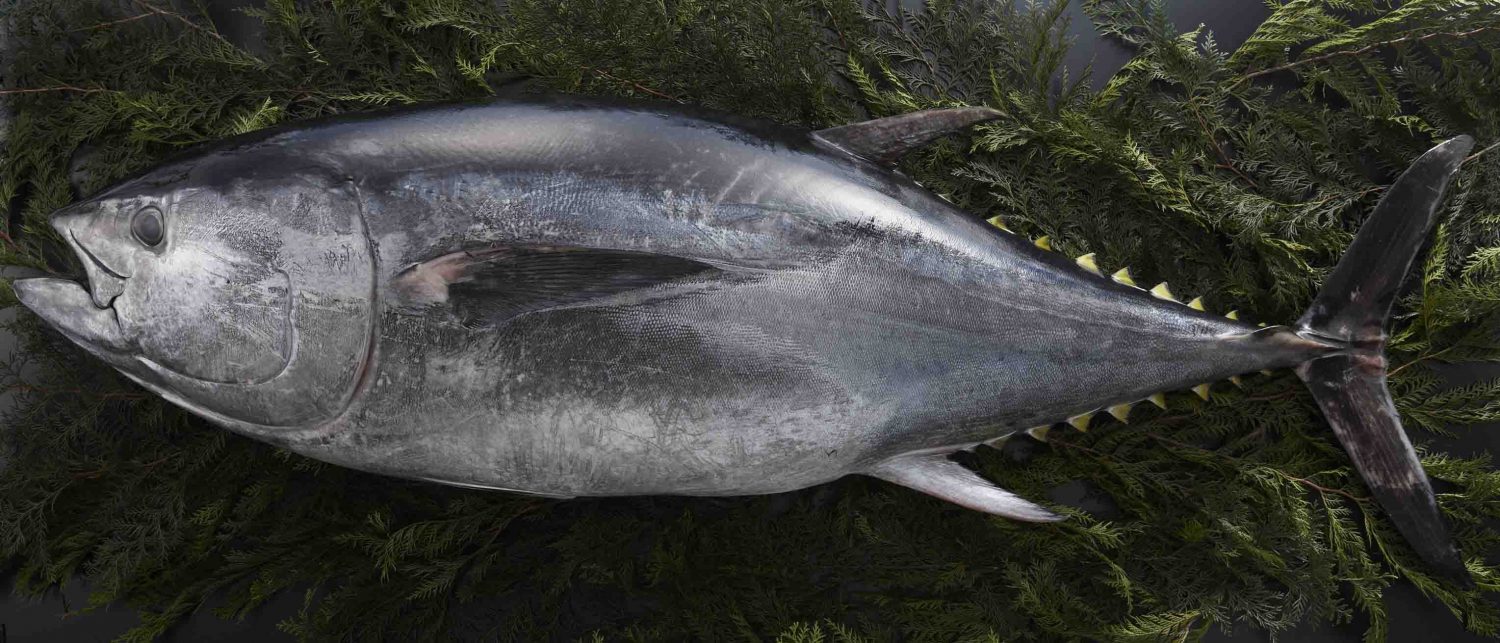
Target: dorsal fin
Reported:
[(503, 281), (886, 140)]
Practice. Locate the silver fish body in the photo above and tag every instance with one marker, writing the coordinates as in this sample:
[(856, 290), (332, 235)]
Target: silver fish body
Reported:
[(574, 297)]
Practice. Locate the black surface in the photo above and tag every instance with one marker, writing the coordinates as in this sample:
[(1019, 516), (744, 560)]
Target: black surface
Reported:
[(1413, 617)]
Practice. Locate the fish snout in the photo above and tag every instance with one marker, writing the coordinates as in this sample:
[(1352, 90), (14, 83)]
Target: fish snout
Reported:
[(67, 306), (82, 230)]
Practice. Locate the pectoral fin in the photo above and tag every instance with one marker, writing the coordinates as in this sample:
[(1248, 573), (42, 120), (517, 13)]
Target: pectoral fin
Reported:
[(499, 282), (886, 140), (936, 475)]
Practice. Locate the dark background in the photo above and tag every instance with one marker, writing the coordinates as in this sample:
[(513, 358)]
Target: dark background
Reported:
[(1413, 616)]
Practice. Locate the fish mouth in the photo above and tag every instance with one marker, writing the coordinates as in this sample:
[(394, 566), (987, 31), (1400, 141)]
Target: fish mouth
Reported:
[(105, 283), (71, 309), (84, 313)]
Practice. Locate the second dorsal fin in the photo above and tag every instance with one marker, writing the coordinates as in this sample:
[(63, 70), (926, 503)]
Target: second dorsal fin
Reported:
[(885, 140)]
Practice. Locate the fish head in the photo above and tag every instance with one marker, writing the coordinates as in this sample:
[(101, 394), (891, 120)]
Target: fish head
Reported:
[(233, 284), (162, 286)]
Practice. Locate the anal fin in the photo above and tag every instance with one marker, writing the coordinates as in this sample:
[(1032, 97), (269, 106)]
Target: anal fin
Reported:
[(936, 475)]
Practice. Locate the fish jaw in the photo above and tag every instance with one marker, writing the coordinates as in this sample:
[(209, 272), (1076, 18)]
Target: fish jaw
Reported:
[(70, 308), (84, 312), (81, 227)]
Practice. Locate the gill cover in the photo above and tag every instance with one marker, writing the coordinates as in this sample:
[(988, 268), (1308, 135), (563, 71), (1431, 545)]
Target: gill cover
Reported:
[(305, 231)]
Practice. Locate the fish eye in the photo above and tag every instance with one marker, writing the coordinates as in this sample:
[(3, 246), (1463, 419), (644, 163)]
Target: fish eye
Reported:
[(147, 226)]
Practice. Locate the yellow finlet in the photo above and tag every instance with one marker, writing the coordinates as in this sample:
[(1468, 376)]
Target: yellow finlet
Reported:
[(1087, 261), (1266, 371), (1081, 422), (1235, 380), (1201, 390), (1043, 242), (1121, 412), (1039, 432), (1163, 292), (1122, 276), (1196, 303), (999, 223), (1159, 399), (1234, 314)]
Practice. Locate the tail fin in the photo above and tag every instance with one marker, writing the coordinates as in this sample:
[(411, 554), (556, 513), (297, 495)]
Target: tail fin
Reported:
[(1350, 385)]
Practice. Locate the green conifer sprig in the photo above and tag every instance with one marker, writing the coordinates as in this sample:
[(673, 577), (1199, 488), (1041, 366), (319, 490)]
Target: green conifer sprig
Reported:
[(1237, 175)]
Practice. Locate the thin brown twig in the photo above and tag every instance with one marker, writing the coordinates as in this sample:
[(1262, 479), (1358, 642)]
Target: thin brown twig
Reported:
[(95, 474), (1323, 489), (1172, 419), (55, 88), (1233, 459), (1362, 50), (1099, 455), (833, 20), (112, 23), (495, 531), (1417, 360), (1224, 159), (1258, 434), (155, 463), (1161, 438), (1270, 396), (1357, 197), (177, 16), (604, 74), (1476, 154)]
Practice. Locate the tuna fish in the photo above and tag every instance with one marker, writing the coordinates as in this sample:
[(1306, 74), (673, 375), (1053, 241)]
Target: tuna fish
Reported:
[(574, 297)]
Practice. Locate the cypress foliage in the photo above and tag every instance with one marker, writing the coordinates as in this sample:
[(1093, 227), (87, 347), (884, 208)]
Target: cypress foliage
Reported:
[(1189, 166)]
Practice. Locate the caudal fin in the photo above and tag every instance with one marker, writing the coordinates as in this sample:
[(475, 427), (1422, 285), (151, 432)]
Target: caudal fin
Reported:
[(1350, 385)]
